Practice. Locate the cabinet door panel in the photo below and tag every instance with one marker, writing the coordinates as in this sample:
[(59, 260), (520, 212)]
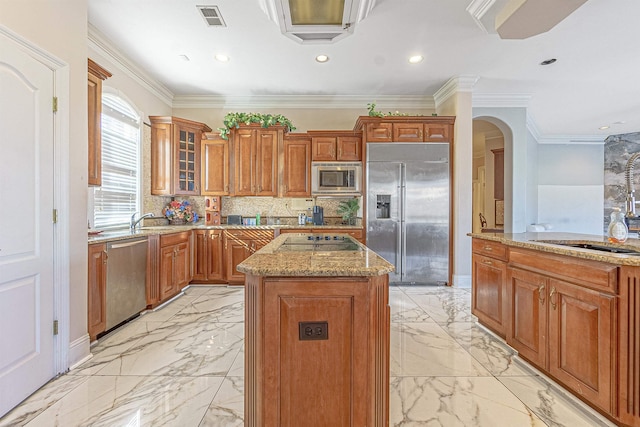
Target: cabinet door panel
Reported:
[(267, 163), (528, 320), (167, 261), (324, 148), (96, 305), (215, 168), (436, 132), (407, 132), (245, 146), (349, 148), (489, 302), (236, 251), (297, 168), (182, 266), (200, 263), (161, 155), (215, 267), (581, 342), (379, 132)]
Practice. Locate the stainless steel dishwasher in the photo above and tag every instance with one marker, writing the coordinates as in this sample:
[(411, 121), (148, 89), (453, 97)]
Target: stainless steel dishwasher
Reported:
[(126, 280)]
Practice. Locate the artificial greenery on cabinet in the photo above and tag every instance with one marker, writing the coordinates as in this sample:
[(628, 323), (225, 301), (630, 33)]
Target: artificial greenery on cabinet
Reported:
[(234, 120)]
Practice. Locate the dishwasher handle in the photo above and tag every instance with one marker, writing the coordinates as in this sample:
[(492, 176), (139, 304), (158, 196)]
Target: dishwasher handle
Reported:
[(127, 244)]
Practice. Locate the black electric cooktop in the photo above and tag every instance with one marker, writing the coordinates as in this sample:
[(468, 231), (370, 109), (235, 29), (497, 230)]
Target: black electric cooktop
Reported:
[(318, 243)]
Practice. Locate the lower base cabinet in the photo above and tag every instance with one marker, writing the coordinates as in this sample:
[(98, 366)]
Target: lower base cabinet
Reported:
[(240, 245), (175, 263), (208, 258), (97, 291)]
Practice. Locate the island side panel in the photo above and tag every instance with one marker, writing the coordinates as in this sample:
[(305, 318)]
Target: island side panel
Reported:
[(288, 379)]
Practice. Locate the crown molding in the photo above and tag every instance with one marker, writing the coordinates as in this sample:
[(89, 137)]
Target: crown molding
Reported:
[(501, 100), (304, 101), (532, 127), (100, 43), (477, 9), (463, 83)]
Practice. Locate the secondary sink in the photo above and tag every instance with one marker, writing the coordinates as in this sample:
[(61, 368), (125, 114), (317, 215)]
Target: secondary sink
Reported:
[(594, 246)]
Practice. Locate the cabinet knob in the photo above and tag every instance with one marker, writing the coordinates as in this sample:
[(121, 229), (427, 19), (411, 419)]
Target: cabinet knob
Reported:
[(487, 262), (488, 248), (226, 188), (104, 257)]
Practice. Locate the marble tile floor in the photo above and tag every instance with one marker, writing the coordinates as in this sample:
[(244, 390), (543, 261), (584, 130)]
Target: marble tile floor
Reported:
[(182, 365)]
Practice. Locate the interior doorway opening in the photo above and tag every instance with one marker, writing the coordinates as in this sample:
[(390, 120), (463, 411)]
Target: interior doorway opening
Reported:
[(488, 177)]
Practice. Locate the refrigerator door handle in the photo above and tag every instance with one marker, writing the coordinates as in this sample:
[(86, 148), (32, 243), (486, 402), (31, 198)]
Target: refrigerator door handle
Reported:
[(403, 222)]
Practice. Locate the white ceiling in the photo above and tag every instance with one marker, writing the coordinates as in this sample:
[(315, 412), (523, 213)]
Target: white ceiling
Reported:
[(594, 82)]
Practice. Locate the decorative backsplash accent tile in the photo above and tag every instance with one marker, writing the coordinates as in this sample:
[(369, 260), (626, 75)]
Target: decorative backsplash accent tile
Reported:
[(617, 150)]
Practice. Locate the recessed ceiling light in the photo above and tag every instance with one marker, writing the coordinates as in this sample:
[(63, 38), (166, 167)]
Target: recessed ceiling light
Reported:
[(184, 58), (322, 58), (603, 127), (548, 61), (222, 58), (416, 59)]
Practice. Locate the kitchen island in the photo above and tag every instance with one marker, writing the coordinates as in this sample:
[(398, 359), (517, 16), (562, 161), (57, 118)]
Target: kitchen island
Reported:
[(316, 333), (570, 305)]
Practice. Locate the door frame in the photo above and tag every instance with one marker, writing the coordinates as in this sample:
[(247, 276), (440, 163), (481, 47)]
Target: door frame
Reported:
[(61, 90)]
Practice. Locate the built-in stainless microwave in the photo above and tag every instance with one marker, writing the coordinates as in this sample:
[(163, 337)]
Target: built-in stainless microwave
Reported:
[(336, 179)]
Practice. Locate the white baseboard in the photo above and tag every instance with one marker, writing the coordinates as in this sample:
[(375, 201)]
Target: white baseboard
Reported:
[(462, 281), (79, 351)]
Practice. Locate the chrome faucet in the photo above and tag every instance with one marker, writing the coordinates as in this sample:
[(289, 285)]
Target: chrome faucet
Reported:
[(134, 221), (628, 176)]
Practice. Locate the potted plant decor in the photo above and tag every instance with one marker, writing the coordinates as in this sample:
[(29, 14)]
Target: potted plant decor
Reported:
[(349, 210)]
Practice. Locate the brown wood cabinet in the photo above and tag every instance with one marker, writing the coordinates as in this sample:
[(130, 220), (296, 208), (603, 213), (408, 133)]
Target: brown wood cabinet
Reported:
[(208, 263), (175, 155), (338, 381), (175, 263), (336, 146), (406, 128), (95, 77), (214, 165), (97, 291), (255, 160), (238, 246), (563, 317), (489, 276), (629, 346), (296, 175)]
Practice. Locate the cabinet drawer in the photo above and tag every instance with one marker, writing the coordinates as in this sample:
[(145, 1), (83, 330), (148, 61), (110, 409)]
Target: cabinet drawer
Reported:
[(174, 239), (490, 249), (591, 274)]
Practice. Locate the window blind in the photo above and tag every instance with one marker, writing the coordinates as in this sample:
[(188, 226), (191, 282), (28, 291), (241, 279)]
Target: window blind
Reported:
[(117, 199)]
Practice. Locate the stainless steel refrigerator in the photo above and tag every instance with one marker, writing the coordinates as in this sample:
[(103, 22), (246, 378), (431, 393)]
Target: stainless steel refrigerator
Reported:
[(408, 203)]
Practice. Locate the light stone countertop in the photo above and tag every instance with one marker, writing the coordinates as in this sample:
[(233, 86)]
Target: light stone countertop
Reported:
[(552, 242), (269, 262), (125, 234)]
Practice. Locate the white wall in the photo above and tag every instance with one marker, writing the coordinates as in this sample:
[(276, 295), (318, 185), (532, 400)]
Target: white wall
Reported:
[(60, 28), (571, 187)]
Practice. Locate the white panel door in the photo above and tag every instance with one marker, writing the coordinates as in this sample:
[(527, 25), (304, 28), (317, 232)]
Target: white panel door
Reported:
[(26, 229)]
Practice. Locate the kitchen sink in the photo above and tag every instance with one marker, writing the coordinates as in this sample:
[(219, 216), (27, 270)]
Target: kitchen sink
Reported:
[(594, 246)]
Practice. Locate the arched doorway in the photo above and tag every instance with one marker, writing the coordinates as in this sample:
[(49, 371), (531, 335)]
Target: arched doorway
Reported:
[(488, 177)]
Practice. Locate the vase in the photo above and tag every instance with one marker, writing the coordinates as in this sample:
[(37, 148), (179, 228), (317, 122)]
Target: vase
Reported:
[(177, 221)]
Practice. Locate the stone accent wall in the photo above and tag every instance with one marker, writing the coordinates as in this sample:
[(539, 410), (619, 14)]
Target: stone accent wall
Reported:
[(617, 150)]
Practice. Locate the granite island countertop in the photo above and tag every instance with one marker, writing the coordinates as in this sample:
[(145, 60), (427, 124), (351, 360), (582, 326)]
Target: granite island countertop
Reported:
[(554, 242), (269, 261)]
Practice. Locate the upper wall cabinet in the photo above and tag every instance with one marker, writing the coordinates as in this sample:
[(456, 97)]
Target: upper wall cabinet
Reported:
[(296, 170), (95, 77), (255, 160), (406, 128), (215, 165), (336, 146), (175, 155)]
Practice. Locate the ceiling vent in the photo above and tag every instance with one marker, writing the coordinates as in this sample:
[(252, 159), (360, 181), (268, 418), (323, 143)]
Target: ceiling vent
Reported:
[(211, 15), (317, 21)]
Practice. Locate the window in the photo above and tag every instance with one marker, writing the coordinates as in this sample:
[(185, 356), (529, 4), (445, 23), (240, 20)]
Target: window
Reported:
[(118, 197)]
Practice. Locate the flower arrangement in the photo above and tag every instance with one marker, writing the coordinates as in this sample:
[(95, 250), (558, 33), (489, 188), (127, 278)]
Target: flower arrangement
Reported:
[(179, 212), (234, 120)]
